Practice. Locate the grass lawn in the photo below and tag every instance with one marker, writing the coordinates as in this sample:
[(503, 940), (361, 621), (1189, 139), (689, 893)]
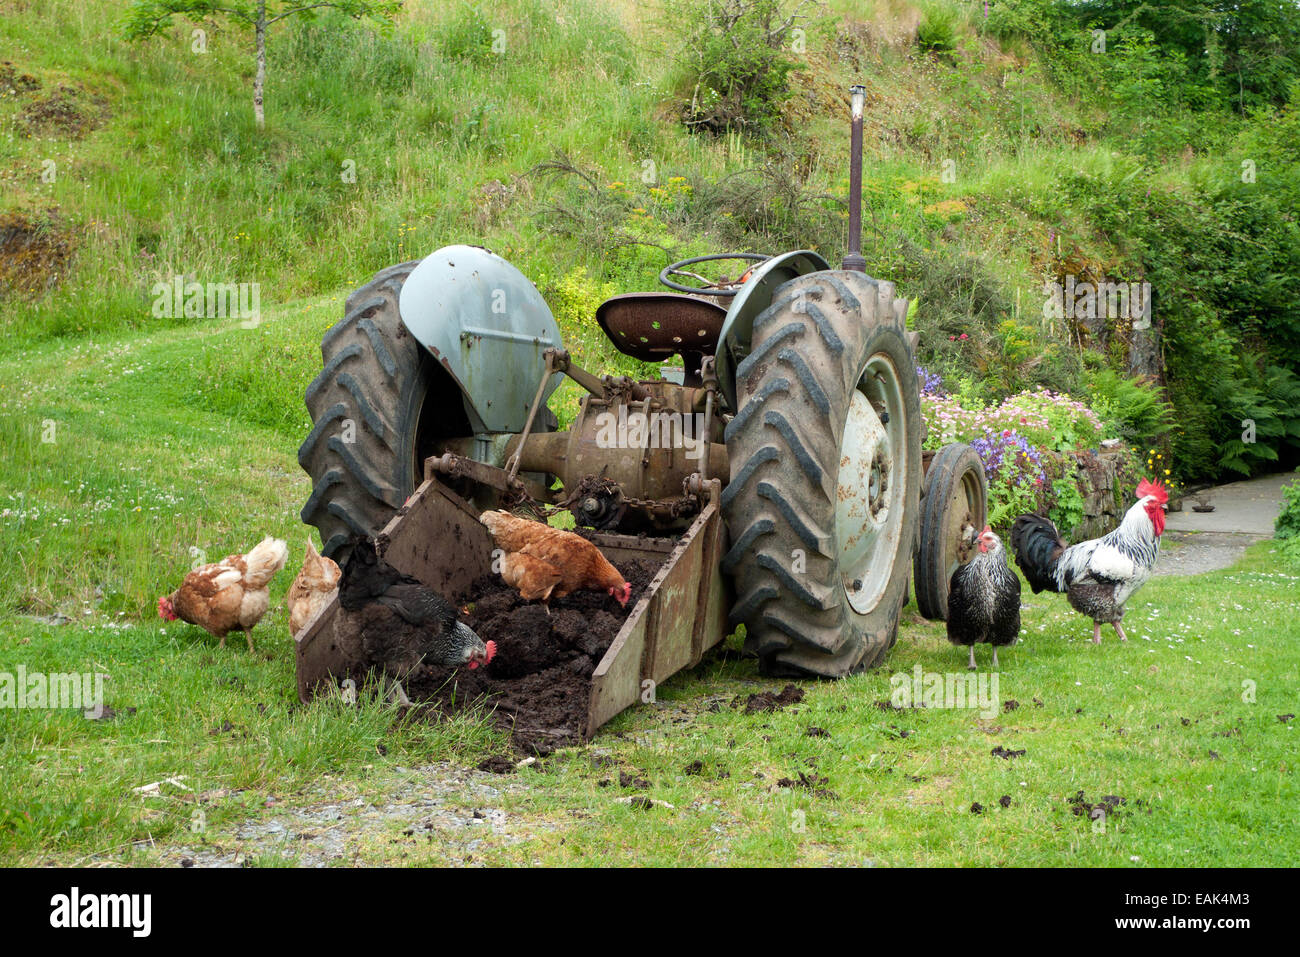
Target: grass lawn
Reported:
[(176, 445)]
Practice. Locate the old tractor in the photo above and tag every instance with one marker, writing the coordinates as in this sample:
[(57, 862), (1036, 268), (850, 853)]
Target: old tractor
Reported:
[(774, 468)]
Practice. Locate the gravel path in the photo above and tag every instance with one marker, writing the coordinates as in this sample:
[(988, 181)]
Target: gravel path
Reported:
[(1244, 512)]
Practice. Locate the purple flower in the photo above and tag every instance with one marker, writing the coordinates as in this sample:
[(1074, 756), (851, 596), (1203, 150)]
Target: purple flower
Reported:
[(931, 382), (1009, 454)]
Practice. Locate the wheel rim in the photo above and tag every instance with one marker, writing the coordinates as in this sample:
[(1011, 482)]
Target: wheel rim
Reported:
[(869, 502), (962, 511)]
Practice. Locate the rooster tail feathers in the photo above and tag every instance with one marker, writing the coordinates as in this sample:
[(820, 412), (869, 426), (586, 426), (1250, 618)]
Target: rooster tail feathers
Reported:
[(1037, 546), (265, 559)]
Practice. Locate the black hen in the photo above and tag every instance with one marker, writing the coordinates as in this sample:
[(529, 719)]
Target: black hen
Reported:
[(403, 623), (984, 599)]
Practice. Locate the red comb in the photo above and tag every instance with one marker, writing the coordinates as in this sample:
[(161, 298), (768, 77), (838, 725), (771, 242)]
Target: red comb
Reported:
[(491, 652), (1146, 488)]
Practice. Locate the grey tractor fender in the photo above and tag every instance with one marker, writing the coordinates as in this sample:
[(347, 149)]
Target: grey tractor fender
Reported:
[(753, 297), (487, 325)]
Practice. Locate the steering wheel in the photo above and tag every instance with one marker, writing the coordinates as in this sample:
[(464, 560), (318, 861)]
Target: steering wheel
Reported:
[(711, 287)]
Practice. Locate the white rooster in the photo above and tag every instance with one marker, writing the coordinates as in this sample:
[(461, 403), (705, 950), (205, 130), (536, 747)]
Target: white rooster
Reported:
[(1099, 575)]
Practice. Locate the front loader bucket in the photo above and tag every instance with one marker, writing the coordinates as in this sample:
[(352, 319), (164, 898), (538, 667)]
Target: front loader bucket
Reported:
[(437, 538)]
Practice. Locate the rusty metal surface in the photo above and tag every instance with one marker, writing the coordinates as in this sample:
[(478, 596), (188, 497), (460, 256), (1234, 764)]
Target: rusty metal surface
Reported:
[(647, 463), (652, 326), (681, 615)]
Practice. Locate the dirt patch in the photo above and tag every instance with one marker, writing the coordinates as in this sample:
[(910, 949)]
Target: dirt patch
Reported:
[(539, 683), (67, 113), (814, 784), (1006, 754), (15, 83), (770, 700), (629, 781), (1105, 807), (34, 253)]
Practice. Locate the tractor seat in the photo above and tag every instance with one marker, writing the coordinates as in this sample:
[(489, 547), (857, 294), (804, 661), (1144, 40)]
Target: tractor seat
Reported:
[(653, 326)]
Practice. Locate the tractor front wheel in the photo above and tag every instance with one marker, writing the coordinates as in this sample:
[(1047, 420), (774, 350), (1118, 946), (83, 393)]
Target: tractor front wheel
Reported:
[(953, 512)]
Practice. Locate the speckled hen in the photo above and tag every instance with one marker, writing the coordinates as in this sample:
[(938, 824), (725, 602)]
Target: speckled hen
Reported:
[(984, 599)]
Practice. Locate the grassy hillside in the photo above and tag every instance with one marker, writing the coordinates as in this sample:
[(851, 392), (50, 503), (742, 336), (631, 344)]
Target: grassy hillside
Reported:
[(1001, 153)]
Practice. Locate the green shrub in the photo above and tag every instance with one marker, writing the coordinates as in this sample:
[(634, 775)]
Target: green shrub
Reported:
[(937, 31), (1067, 505), (466, 36), (1135, 408), (737, 68), (1287, 525), (1263, 416)]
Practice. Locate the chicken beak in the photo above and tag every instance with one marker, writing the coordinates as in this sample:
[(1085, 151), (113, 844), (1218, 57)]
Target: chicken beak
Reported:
[(483, 657)]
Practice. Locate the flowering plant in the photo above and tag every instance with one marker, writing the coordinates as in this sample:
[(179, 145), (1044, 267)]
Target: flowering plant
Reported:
[(1023, 442), (931, 382), (1014, 469), (1048, 420), (1161, 466)]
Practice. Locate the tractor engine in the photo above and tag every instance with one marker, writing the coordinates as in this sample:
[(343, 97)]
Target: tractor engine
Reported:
[(625, 461)]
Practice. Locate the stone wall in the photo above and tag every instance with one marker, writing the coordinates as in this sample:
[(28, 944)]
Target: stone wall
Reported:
[(1104, 495)]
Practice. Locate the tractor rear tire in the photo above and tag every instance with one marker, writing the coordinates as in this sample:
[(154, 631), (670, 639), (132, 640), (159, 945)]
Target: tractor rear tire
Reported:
[(956, 495), (821, 559), (365, 407)]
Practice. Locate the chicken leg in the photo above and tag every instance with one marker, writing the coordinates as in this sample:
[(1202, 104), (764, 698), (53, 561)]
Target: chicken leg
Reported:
[(397, 695), (971, 666), (1096, 632), (248, 633), (995, 656), (1119, 630)]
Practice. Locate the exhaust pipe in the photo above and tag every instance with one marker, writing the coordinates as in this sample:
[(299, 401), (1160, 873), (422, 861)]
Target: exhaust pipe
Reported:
[(853, 259)]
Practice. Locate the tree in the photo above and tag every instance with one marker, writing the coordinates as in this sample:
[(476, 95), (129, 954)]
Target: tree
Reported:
[(1249, 48), (146, 18)]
